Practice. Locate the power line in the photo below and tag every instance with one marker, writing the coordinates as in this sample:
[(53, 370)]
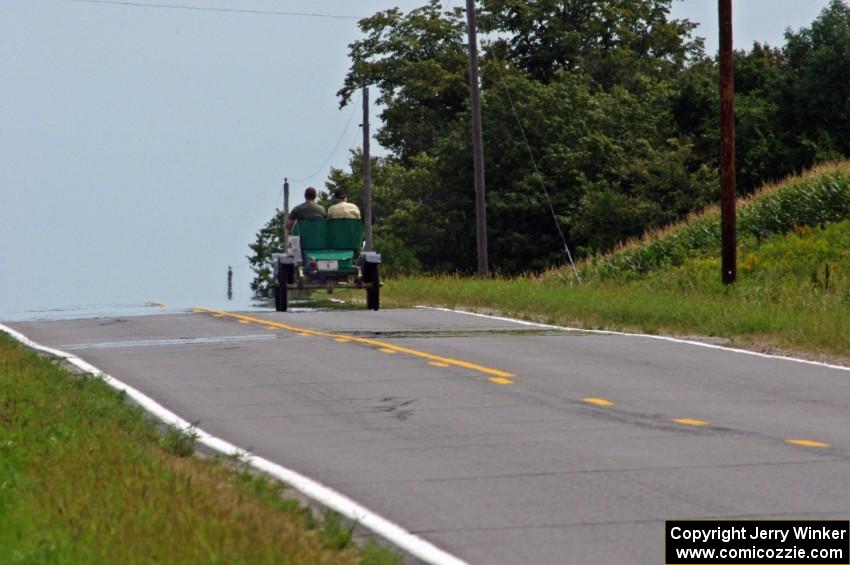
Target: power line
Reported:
[(333, 151), (539, 175), (213, 9)]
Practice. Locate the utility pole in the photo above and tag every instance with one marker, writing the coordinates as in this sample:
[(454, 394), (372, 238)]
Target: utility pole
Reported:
[(727, 147), (477, 143), (285, 239), (367, 174)]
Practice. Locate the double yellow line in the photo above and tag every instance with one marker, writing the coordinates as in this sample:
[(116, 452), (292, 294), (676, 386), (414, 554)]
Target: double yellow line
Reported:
[(501, 377)]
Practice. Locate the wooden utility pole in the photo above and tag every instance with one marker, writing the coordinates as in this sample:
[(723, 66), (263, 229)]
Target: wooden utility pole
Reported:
[(229, 283), (727, 146), (477, 143), (285, 212), (367, 174)]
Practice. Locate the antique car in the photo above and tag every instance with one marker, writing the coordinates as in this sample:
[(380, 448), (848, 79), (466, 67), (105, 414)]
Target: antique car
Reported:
[(326, 254)]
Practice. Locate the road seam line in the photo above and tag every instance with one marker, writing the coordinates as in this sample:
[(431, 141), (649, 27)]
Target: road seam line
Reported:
[(362, 340), (325, 495)]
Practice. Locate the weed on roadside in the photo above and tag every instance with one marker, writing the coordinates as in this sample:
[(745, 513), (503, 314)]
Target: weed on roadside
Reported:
[(179, 442)]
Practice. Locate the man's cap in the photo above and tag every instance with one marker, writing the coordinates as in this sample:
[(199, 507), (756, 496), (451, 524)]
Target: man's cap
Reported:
[(339, 195)]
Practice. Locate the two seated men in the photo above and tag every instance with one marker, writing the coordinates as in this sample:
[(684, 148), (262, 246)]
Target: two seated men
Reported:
[(310, 210)]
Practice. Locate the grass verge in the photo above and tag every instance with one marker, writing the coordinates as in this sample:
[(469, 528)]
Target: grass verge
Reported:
[(87, 478)]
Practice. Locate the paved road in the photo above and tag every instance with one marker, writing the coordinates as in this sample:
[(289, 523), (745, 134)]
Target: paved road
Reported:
[(498, 442)]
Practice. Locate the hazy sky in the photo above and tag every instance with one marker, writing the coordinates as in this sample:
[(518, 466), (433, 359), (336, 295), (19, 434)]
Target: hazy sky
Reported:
[(142, 148)]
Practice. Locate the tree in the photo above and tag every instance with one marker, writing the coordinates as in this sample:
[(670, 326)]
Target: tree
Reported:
[(618, 106), (816, 97), (418, 62), (268, 241), (589, 142), (761, 151), (612, 41), (592, 149)]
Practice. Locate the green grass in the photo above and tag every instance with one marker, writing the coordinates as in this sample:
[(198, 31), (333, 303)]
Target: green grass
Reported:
[(793, 293), (86, 478)]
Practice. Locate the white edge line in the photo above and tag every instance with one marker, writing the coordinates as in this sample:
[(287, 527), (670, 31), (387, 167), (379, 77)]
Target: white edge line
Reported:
[(658, 337), (326, 496)]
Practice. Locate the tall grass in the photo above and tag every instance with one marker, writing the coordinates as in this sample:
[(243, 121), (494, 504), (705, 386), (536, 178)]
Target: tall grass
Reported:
[(84, 479)]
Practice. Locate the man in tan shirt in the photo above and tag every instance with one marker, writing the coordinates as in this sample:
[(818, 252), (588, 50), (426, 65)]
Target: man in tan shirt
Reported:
[(341, 208)]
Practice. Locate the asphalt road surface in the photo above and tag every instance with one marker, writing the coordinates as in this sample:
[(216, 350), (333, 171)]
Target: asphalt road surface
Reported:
[(498, 442)]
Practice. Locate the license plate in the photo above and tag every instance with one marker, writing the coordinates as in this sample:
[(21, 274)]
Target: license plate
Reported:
[(327, 265)]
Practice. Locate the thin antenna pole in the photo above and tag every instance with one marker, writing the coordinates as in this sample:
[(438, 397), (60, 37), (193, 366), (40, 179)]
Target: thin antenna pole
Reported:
[(477, 144), (727, 146), (285, 212), (367, 174)]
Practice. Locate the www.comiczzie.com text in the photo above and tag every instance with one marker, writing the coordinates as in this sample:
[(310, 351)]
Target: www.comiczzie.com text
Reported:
[(696, 542)]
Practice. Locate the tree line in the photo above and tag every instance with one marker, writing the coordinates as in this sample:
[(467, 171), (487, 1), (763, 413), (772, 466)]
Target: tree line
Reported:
[(616, 104)]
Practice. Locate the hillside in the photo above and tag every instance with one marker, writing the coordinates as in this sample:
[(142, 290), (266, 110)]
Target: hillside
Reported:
[(816, 197), (794, 276)]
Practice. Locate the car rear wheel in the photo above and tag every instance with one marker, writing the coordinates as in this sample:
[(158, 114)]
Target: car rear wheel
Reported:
[(373, 293), (281, 294)]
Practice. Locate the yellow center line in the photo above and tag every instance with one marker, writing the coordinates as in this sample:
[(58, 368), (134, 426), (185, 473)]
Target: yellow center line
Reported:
[(500, 380), (807, 442), (244, 322), (342, 339), (690, 422), (362, 340), (387, 350), (597, 401)]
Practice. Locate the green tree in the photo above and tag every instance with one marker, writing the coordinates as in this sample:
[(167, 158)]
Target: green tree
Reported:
[(593, 149), (619, 108), (586, 140), (268, 241), (612, 41), (816, 98), (418, 62), (761, 149)]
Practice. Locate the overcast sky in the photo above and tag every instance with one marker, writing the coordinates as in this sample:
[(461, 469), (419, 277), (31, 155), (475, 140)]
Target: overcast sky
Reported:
[(141, 148)]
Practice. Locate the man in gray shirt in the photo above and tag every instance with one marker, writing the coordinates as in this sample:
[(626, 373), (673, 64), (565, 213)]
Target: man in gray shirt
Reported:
[(309, 210)]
